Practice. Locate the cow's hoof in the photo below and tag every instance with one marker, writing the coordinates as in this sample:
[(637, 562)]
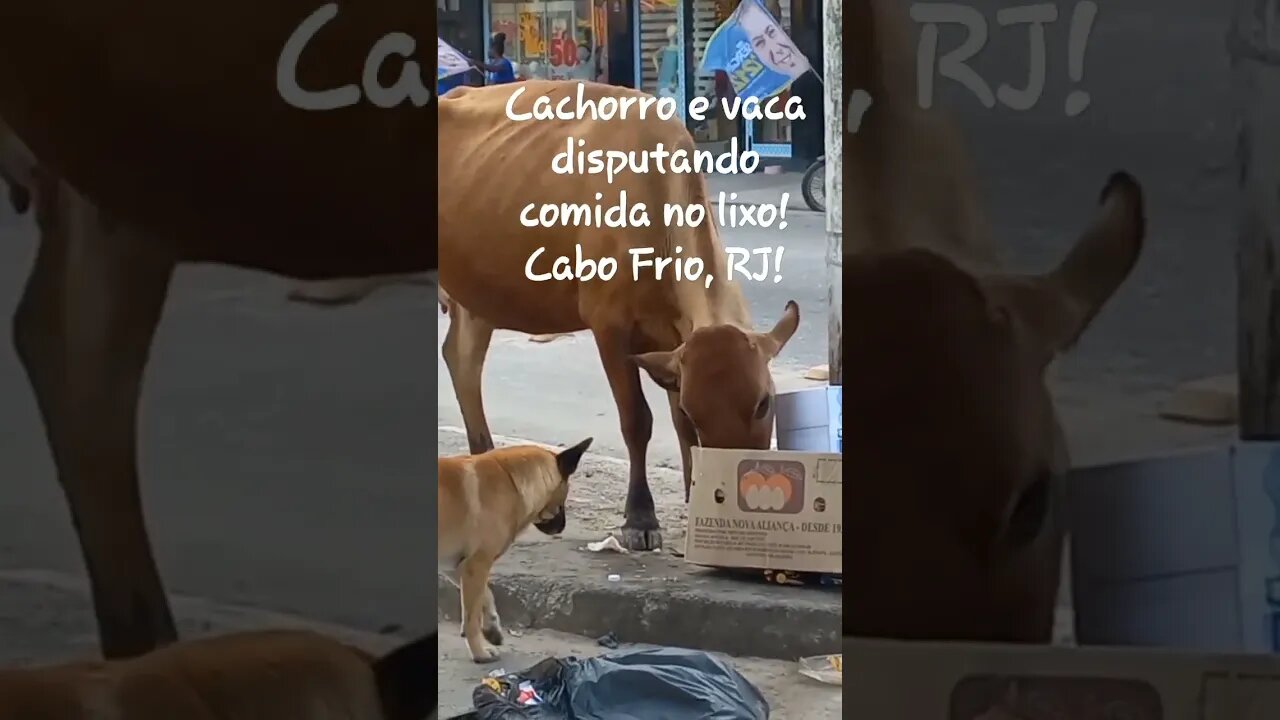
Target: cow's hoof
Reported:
[(484, 655), (640, 539), (493, 634)]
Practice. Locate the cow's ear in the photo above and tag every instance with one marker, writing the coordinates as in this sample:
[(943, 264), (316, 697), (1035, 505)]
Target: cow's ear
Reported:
[(1057, 307), (773, 341), (663, 367)]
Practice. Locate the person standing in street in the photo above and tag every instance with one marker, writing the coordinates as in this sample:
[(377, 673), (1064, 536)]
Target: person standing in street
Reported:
[(498, 70), (666, 60)]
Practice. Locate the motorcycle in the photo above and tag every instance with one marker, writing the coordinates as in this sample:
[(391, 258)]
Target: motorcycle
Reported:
[(813, 186)]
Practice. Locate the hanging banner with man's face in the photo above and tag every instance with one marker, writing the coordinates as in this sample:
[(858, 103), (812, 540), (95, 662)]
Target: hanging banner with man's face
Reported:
[(451, 61), (751, 48)]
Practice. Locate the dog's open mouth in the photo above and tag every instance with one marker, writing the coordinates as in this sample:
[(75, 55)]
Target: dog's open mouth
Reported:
[(551, 523)]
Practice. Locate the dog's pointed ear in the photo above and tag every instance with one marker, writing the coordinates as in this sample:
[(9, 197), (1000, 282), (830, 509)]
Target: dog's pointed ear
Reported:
[(663, 367), (567, 460)]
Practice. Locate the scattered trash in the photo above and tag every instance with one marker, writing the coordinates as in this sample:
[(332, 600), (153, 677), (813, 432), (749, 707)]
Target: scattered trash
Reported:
[(609, 543), (528, 696), (828, 669), (666, 683), (550, 337), (614, 577), (818, 372), (783, 577), (791, 577), (608, 640)]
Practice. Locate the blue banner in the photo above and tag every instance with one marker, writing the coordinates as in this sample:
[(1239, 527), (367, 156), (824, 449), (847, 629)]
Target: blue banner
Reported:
[(450, 61), (752, 49)]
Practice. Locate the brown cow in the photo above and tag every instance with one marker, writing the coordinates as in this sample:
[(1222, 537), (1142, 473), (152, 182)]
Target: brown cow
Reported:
[(178, 135), (696, 341), (953, 451)]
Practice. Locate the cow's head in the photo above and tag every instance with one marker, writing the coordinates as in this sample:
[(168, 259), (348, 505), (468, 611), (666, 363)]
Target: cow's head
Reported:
[(721, 375), (953, 456)]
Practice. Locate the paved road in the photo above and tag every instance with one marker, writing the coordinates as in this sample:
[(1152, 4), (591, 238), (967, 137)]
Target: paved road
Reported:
[(572, 395)]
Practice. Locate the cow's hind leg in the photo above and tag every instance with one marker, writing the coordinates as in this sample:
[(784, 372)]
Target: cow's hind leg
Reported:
[(640, 529), (83, 330), (464, 349)]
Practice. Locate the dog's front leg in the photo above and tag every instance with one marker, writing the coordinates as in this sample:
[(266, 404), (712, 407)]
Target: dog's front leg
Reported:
[(492, 627), (453, 577), (474, 577)]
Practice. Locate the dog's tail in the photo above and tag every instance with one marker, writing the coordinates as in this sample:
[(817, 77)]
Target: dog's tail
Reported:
[(407, 680)]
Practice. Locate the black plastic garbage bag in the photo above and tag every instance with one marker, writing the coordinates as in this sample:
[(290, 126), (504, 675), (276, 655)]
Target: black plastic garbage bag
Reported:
[(637, 684)]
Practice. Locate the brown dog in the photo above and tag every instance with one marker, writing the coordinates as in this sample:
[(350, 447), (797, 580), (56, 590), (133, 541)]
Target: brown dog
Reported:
[(277, 674), (485, 501)]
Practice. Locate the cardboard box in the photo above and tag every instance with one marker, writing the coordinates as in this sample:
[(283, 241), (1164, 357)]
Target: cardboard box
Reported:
[(967, 681), (810, 420), (767, 509), (1180, 551)]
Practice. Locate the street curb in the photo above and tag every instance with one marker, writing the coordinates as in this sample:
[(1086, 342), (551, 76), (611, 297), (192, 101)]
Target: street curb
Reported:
[(700, 609), (58, 609)]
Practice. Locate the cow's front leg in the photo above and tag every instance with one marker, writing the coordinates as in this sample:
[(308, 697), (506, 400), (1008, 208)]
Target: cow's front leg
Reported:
[(466, 344), (83, 330), (688, 436), (640, 529)]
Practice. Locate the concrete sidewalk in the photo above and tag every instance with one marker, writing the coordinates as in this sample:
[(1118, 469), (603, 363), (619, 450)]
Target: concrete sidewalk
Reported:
[(556, 584), (46, 617)]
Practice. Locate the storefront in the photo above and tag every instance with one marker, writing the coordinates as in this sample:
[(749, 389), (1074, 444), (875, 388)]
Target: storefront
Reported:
[(673, 37), (461, 24), (656, 46), (807, 137), (553, 39)]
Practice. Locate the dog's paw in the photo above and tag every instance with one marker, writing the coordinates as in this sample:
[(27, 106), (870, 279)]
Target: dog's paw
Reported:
[(485, 655), (493, 634)]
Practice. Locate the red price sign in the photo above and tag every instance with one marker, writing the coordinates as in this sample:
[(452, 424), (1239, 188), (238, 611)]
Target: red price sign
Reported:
[(564, 52)]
